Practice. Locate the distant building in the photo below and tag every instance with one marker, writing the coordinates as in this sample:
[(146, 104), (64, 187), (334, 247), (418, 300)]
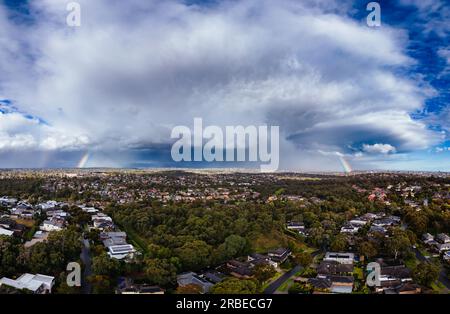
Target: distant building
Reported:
[(239, 269), (126, 286), (39, 236), (279, 255), (191, 278), (350, 228), (113, 238), (6, 232), (427, 238), (49, 205), (327, 268), (359, 221), (342, 258), (39, 284), (442, 247), (255, 259), (121, 251), (296, 226), (52, 225), (8, 201), (446, 256), (213, 276), (443, 238)]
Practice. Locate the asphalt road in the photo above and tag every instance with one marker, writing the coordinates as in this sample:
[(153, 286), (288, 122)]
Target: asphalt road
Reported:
[(277, 283), (86, 258)]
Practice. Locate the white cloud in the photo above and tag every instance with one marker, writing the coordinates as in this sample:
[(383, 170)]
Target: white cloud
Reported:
[(442, 149), (134, 69), (379, 148), (445, 54)]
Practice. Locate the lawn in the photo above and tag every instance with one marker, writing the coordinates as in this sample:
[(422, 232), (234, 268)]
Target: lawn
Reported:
[(288, 283), (136, 240), (26, 222), (438, 287), (411, 263), (358, 271), (265, 242)]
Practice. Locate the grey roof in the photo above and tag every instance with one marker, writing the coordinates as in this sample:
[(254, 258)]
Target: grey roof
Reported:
[(321, 283), (333, 267)]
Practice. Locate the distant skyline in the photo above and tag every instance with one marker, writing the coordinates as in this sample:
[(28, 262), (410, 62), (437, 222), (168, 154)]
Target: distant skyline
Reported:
[(107, 94)]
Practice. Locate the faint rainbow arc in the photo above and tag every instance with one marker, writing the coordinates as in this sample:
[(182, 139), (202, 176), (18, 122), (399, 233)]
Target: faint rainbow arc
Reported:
[(345, 164), (83, 161)]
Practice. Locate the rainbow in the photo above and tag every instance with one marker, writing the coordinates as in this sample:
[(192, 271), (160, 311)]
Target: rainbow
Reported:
[(84, 159), (345, 164)]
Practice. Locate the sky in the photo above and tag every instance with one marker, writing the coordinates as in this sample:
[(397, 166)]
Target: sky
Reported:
[(346, 96)]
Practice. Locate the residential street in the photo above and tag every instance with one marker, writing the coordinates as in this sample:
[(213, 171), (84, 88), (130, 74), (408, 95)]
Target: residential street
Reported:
[(277, 283), (86, 258)]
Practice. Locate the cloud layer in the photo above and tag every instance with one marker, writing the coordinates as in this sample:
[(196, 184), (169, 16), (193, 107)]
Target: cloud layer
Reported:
[(135, 69)]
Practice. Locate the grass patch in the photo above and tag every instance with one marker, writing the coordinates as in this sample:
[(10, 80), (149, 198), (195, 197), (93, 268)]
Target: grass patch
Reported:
[(286, 285), (438, 287), (268, 282), (29, 223), (262, 243), (136, 240), (411, 263), (359, 273)]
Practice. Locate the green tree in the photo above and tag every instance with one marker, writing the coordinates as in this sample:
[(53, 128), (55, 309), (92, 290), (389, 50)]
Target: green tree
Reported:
[(160, 271), (263, 272), (10, 250), (426, 273), (298, 288), (189, 289), (105, 265), (303, 258), (339, 243), (235, 286), (367, 249), (398, 244), (101, 284), (194, 255), (63, 288)]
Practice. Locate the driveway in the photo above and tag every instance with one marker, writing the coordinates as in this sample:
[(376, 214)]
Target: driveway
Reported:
[(86, 258), (277, 283)]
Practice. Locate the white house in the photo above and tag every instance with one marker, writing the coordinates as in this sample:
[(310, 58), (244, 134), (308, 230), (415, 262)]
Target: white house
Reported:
[(52, 225), (442, 238), (447, 256), (7, 201), (358, 221), (442, 247), (349, 228), (40, 284), (89, 210), (121, 251), (6, 232), (342, 258), (427, 238), (48, 205)]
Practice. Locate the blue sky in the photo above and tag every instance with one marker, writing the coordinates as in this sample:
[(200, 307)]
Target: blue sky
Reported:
[(114, 88)]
